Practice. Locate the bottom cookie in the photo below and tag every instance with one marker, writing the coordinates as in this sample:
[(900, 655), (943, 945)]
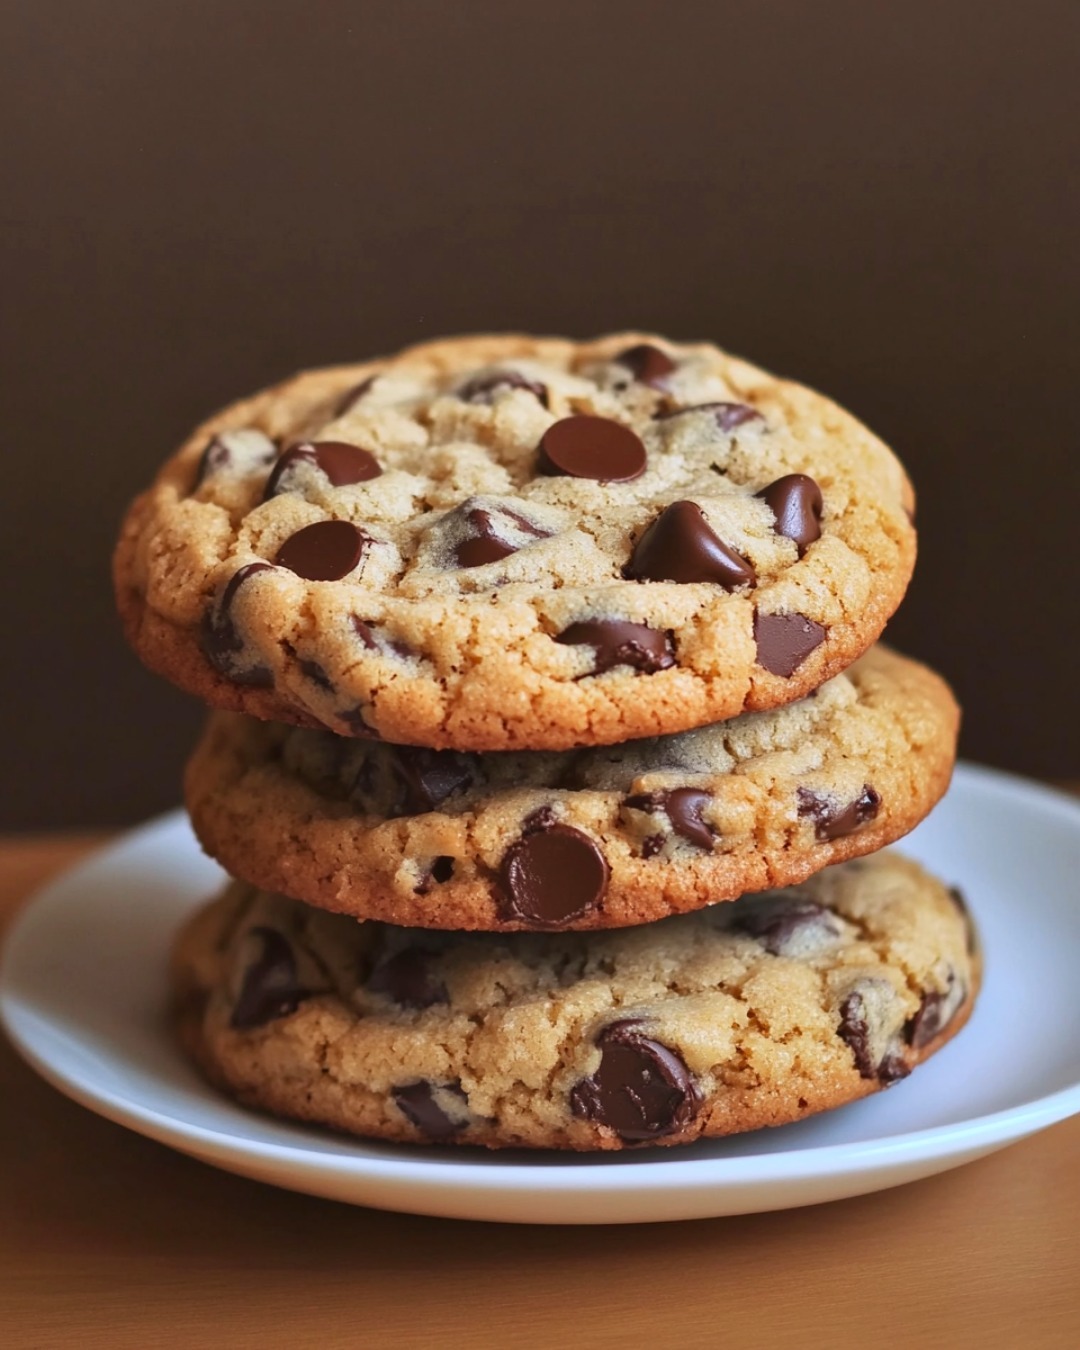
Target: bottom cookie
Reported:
[(753, 1013)]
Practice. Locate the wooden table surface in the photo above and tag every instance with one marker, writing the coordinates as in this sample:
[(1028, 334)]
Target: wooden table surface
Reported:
[(108, 1239)]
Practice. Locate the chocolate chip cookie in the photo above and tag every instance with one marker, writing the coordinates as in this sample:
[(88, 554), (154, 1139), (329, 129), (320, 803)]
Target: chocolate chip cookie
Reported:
[(743, 1015), (514, 543), (593, 838)]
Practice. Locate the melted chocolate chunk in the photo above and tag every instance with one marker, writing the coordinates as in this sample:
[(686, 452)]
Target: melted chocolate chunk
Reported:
[(618, 643), (683, 808), (407, 978), (428, 777), (325, 551), (680, 545), (485, 546), (784, 641), (341, 462), (891, 1069), (641, 1090), (221, 642), (271, 986), (352, 396), (727, 416), (833, 822), (417, 1102), (935, 1013), (795, 500), (591, 447), (854, 1030), (647, 364), (779, 926), (551, 876), (483, 388)]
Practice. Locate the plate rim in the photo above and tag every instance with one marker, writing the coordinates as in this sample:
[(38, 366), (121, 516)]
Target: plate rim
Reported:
[(449, 1172)]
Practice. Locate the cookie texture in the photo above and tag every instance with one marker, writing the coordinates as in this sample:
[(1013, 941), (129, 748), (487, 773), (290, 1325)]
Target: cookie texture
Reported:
[(506, 542), (599, 837), (740, 1016)]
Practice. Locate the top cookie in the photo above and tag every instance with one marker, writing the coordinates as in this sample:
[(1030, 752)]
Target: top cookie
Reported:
[(507, 542)]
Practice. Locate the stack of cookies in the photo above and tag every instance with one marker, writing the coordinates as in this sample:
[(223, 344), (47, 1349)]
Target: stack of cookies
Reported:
[(550, 747)]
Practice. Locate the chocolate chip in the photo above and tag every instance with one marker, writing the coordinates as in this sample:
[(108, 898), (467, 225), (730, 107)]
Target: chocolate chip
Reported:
[(428, 777), (683, 807), (618, 643), (552, 876), (363, 631), (271, 986), (641, 1090), (783, 927), (485, 546), (727, 416), (957, 897), (784, 641), (648, 364), (591, 447), (241, 452), (680, 545), (541, 819), (891, 1069), (795, 500), (316, 673), (440, 871), (341, 462), (408, 979), (369, 634), (482, 548), (214, 458), (833, 822), (483, 388), (928, 1021), (221, 642), (417, 1102), (936, 1011), (651, 846), (357, 724), (325, 551), (352, 396)]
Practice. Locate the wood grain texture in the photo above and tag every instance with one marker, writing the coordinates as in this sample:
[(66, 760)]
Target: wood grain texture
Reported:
[(110, 1240)]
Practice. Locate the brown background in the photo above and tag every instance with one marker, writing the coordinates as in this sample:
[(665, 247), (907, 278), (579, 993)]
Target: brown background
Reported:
[(201, 196)]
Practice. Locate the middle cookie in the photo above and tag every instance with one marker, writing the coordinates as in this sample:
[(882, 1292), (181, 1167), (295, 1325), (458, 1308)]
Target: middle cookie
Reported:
[(596, 838)]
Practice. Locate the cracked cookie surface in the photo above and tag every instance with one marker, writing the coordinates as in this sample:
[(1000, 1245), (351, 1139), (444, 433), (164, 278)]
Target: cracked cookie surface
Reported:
[(743, 1015), (594, 838), (508, 542)]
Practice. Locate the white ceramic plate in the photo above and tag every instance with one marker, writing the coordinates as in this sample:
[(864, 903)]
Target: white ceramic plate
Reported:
[(83, 983)]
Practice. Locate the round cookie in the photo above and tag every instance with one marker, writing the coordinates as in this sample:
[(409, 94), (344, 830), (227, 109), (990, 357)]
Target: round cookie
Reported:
[(594, 838), (743, 1015), (514, 543)]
